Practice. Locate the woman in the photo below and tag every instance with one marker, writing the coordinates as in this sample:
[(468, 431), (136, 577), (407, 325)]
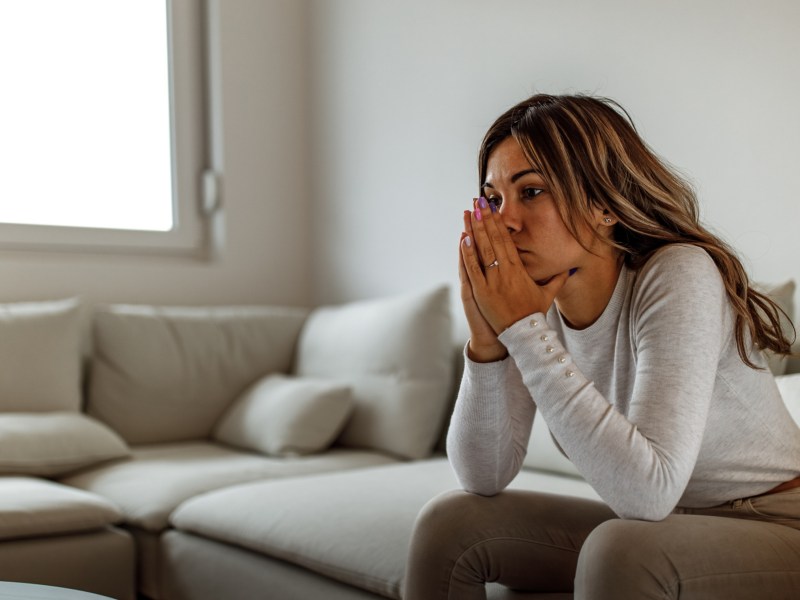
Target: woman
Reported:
[(596, 299)]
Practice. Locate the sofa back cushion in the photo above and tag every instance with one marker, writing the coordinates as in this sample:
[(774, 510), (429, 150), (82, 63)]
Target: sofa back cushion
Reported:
[(40, 356), (789, 386), (167, 374), (396, 354), (783, 295)]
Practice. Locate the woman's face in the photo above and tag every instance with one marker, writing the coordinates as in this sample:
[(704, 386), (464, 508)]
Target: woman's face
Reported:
[(545, 245)]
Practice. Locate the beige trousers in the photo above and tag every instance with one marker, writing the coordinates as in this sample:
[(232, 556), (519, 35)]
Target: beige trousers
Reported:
[(748, 549)]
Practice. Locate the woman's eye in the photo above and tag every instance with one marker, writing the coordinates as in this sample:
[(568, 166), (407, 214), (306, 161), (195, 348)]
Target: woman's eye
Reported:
[(531, 192), (497, 200)]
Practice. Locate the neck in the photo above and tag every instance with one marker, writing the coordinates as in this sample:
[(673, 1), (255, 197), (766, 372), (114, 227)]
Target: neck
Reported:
[(587, 293)]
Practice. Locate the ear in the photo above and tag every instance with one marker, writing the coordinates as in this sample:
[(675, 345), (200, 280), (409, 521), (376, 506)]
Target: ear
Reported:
[(602, 217)]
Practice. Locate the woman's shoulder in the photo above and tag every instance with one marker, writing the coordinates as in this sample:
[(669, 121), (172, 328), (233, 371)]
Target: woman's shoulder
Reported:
[(679, 262), (680, 283), (681, 270)]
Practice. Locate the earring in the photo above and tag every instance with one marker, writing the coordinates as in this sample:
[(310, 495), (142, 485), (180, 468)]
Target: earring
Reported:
[(607, 220)]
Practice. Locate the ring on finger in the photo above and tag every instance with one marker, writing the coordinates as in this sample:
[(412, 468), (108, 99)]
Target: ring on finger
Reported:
[(492, 265)]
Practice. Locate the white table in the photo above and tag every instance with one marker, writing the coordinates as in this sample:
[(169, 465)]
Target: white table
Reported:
[(29, 591)]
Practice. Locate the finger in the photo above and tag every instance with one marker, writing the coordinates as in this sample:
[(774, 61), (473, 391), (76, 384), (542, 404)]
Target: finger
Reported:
[(502, 243), (469, 233), (505, 243), (462, 270), (480, 236), (471, 262), (463, 277), (467, 224)]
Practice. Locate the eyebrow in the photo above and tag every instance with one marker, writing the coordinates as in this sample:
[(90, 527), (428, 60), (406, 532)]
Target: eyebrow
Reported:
[(516, 176)]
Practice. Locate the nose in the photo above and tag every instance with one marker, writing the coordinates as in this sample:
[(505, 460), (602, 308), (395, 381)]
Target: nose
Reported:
[(511, 217)]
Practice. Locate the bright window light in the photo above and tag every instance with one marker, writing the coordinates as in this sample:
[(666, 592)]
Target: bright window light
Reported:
[(85, 114)]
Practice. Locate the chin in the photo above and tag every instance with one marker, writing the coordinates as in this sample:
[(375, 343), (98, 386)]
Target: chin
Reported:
[(545, 281), (539, 278)]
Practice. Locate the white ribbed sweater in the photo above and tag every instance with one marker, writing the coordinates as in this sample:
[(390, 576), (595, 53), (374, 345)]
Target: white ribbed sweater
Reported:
[(651, 402)]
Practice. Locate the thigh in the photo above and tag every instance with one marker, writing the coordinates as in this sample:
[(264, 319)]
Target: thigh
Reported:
[(524, 540), (691, 557)]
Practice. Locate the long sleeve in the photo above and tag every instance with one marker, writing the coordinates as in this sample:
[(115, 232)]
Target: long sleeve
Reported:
[(651, 403), (490, 426), (638, 452)]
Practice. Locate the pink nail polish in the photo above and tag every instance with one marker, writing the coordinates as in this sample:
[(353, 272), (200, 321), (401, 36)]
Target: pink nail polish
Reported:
[(478, 215), (468, 241)]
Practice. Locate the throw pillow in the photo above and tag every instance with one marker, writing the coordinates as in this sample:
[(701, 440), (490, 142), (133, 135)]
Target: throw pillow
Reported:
[(397, 354), (167, 374), (40, 356), (55, 443), (283, 415)]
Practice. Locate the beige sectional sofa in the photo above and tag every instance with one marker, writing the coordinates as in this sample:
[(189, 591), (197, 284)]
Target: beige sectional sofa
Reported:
[(233, 453)]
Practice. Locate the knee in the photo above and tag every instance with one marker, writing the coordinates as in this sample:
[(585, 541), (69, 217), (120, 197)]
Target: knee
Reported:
[(440, 521), (622, 559), (436, 543)]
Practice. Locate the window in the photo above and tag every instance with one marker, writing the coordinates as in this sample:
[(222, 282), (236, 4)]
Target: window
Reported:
[(102, 128)]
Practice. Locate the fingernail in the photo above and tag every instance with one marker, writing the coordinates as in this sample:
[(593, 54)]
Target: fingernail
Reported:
[(572, 271), (482, 202), (493, 206), (478, 215), (468, 241)]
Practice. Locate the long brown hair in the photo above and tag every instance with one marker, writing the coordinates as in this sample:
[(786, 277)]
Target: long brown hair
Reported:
[(590, 155)]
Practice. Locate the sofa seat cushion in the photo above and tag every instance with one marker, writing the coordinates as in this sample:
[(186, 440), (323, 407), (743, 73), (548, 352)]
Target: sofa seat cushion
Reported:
[(359, 535), (31, 507), (158, 478)]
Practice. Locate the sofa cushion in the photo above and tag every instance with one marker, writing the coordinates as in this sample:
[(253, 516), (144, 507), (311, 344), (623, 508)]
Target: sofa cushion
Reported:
[(783, 295), (789, 386), (543, 453), (282, 415), (40, 356), (158, 478), (359, 535), (397, 355), (55, 443), (34, 507), (167, 374)]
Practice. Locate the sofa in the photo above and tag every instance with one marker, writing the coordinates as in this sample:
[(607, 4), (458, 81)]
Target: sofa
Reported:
[(238, 453)]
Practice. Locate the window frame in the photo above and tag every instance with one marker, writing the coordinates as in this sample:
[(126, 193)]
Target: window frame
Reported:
[(194, 186)]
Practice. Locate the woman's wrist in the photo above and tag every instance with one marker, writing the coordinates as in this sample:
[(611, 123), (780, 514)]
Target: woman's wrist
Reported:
[(486, 354)]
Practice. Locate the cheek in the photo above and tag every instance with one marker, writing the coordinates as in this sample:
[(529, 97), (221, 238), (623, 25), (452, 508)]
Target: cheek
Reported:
[(548, 228)]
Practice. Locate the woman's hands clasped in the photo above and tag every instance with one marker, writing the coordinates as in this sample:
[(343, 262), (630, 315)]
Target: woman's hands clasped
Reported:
[(496, 289)]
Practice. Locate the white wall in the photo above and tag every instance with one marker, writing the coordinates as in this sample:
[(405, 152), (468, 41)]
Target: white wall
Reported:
[(403, 92), (263, 92), (400, 95)]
